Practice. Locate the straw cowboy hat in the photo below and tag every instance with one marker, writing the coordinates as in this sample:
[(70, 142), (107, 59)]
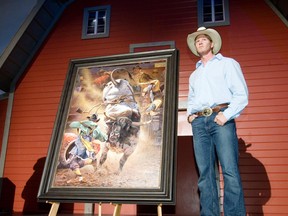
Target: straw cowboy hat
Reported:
[(214, 35)]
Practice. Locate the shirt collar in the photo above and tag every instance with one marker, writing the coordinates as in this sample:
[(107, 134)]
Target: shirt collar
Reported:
[(217, 56)]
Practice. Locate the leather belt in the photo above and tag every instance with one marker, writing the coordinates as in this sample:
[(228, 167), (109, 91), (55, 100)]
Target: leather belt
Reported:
[(208, 111)]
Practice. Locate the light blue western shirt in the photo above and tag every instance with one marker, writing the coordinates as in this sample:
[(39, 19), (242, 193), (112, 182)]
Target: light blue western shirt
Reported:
[(220, 81)]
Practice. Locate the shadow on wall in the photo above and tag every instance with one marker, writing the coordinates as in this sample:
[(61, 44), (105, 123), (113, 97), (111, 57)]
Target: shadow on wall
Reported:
[(29, 193), (7, 194), (255, 180), (187, 197)]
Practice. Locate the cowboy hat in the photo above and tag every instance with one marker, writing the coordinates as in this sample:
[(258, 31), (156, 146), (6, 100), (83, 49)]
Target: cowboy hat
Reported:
[(213, 34)]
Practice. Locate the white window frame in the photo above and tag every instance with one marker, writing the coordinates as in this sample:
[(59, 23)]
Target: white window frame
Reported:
[(226, 14), (96, 10)]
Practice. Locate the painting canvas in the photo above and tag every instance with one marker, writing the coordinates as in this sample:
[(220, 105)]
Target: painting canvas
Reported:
[(115, 135)]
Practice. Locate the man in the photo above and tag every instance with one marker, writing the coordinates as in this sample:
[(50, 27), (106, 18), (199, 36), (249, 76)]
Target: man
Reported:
[(83, 152), (217, 95)]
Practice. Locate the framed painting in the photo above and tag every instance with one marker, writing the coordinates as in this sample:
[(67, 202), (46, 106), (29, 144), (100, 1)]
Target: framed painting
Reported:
[(115, 134)]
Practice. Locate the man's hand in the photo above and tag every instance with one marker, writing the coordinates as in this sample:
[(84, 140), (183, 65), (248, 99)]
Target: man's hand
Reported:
[(220, 119), (191, 118)]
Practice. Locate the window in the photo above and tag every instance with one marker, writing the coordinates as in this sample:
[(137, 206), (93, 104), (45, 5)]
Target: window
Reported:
[(96, 22), (213, 13)]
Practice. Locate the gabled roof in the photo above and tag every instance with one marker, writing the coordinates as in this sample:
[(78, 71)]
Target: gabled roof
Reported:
[(23, 47)]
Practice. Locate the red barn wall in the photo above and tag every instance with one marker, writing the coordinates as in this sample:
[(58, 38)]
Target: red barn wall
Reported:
[(256, 38)]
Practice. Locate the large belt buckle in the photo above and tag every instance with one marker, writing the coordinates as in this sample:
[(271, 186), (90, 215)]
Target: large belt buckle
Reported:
[(207, 112)]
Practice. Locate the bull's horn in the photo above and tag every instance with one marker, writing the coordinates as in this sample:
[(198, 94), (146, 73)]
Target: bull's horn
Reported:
[(112, 78)]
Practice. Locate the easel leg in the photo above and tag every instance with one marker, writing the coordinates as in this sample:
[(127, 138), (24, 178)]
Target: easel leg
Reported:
[(117, 210), (99, 209), (54, 209), (159, 210)]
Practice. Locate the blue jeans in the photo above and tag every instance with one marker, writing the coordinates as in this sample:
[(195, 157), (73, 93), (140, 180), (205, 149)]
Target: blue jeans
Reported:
[(212, 142)]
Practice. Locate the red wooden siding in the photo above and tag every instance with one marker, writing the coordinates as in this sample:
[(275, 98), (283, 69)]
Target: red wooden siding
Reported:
[(256, 38)]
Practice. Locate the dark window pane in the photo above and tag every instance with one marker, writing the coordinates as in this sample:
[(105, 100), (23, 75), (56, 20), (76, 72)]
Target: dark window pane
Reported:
[(91, 22), (90, 30), (101, 21), (219, 9), (207, 10), (207, 18), (102, 14), (100, 29), (207, 3), (219, 13), (218, 2), (219, 17)]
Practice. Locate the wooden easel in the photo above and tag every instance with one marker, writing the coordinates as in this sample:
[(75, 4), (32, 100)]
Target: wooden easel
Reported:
[(117, 210), (159, 210), (55, 206)]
